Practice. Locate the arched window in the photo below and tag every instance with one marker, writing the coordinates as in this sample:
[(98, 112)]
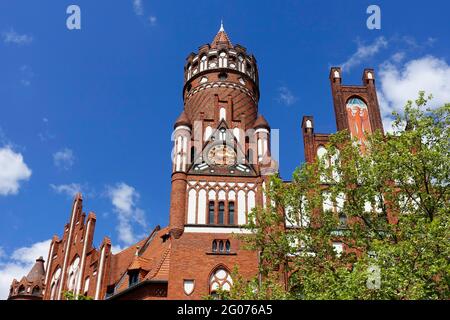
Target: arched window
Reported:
[(221, 212), (241, 64), (36, 291), (55, 283), (228, 246), (222, 114), (214, 246), (73, 273), (223, 62), (220, 279), (86, 286), (21, 290), (211, 212), (220, 246), (230, 212), (203, 63)]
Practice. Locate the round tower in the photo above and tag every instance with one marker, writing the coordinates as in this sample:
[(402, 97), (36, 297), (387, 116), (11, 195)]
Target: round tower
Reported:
[(221, 83)]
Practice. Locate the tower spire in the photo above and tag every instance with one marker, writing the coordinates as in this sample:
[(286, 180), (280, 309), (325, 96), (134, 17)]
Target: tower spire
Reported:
[(221, 39)]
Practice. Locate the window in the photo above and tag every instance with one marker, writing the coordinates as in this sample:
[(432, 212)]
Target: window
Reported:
[(55, 283), (223, 76), (86, 286), (73, 273), (211, 212), (221, 212), (250, 156), (133, 277), (231, 213), (193, 152), (220, 279), (21, 289), (36, 291), (221, 246), (342, 220)]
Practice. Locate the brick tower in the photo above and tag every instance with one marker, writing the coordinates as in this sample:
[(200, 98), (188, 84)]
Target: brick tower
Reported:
[(221, 157)]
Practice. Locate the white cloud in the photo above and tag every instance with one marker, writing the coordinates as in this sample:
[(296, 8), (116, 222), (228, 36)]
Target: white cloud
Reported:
[(12, 36), (116, 249), (124, 198), (12, 171), (138, 7), (26, 75), (364, 52), (20, 263), (70, 189), (400, 83), (152, 20), (64, 159), (285, 96)]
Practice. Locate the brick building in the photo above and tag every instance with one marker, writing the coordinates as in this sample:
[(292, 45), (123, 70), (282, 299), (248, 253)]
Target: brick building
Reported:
[(221, 164)]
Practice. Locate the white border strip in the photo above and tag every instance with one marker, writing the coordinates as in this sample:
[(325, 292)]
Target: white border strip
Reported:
[(216, 230)]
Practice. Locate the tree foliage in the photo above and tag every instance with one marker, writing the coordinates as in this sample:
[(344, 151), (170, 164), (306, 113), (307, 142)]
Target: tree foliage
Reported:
[(387, 204)]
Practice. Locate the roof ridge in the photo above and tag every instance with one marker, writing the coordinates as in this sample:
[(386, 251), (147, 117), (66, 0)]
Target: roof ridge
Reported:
[(161, 262)]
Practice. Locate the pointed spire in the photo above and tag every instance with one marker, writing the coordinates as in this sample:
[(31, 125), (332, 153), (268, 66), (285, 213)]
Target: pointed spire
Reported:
[(37, 272), (221, 38), (261, 122)]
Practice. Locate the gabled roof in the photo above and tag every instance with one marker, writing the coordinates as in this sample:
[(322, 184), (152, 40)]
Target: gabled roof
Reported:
[(151, 255)]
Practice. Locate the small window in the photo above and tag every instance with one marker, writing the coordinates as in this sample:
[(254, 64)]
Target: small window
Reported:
[(36, 291), (133, 278), (223, 76), (342, 220), (214, 246), (228, 246), (231, 213), (211, 212), (220, 246), (193, 153), (21, 290), (221, 212)]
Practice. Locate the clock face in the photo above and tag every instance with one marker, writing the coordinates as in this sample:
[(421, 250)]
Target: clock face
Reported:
[(222, 155)]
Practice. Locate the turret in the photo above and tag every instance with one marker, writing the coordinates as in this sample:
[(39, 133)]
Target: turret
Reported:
[(30, 287)]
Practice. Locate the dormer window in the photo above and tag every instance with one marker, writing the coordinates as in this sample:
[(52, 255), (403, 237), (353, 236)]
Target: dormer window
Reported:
[(133, 277)]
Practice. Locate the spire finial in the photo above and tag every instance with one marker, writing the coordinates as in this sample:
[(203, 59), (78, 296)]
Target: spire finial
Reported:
[(221, 26)]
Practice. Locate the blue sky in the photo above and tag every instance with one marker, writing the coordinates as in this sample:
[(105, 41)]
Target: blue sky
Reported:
[(93, 109)]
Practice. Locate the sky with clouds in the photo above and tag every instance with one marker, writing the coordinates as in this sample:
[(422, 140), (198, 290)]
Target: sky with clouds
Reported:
[(92, 110)]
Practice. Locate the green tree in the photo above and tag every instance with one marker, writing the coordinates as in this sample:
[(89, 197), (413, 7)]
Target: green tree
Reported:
[(70, 295), (388, 205)]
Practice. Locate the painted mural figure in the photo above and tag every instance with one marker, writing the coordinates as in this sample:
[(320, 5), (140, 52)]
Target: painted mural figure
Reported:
[(358, 119)]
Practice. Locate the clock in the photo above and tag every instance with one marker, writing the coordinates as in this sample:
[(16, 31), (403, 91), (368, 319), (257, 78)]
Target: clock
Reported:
[(221, 155)]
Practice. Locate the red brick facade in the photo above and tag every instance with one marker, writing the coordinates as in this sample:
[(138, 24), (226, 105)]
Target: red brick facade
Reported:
[(221, 163)]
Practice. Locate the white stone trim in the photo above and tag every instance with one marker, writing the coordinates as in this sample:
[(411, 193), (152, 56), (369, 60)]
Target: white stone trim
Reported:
[(66, 254), (216, 230), (100, 274), (83, 258)]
